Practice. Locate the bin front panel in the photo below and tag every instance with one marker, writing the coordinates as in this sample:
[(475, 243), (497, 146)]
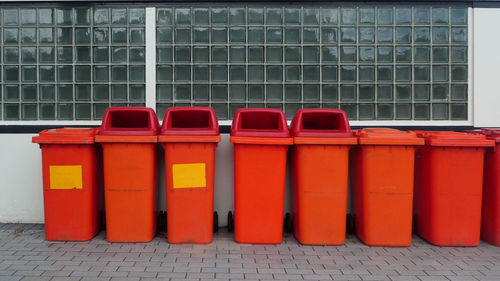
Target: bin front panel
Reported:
[(448, 195), (320, 193), (490, 219), (383, 194), (72, 202), (189, 201), (259, 193), (130, 191)]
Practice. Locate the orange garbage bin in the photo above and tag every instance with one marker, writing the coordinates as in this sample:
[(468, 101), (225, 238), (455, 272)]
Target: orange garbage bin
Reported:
[(382, 181), (72, 183), (261, 139), (129, 140), (448, 187), (189, 136), (322, 139)]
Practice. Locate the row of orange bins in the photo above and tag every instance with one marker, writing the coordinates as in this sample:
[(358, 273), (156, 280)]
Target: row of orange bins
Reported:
[(447, 168)]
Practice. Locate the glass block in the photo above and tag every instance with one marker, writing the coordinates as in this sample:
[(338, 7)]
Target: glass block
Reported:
[(82, 73), (82, 16), (421, 73), (237, 54), (233, 107), (291, 109), (200, 35), (348, 16), (459, 34), (82, 54), (384, 73), (182, 16), (201, 73), (137, 74), (293, 54), (137, 93), (164, 92), (311, 93), (403, 34), (403, 54), (83, 111), (65, 54), (101, 73), (439, 111), (65, 35), (237, 73), (237, 93), (200, 16), (351, 110), (330, 54), (385, 111), (458, 111), (255, 16), (237, 16), (10, 16), (385, 16), (366, 15), (384, 93), (65, 92), (293, 92), (255, 54), (11, 73), (82, 35), (163, 73), (329, 35), (200, 54), (119, 16), (29, 111), (366, 111), (255, 92), (11, 93), (47, 93), (422, 34), (459, 92), (101, 93), (440, 15), (219, 73), (237, 35), (182, 35), (458, 54), (220, 110), (293, 73), (459, 73), (201, 92), (311, 54), (292, 16), (255, 35), (348, 54), (164, 35), (219, 54), (182, 73), (329, 16), (46, 54), (28, 35), (348, 73), (45, 35), (101, 35), (348, 92), (274, 93), (274, 73), (440, 73), (182, 54), (403, 15), (403, 73), (118, 73), (219, 16), (367, 54), (274, 16), (329, 73), (219, 35), (64, 16), (99, 110), (46, 73), (440, 34), (459, 15), (11, 111), (11, 55), (219, 92), (440, 54), (119, 92), (137, 36), (164, 16), (422, 54), (47, 111), (403, 92), (403, 111), (385, 54), (440, 92), (366, 35), (421, 92), (311, 73), (137, 16), (161, 108), (83, 92), (29, 93), (136, 54), (275, 35), (101, 16), (118, 55), (119, 35), (348, 35), (11, 35), (367, 92), (64, 73), (164, 54), (366, 73), (422, 15)]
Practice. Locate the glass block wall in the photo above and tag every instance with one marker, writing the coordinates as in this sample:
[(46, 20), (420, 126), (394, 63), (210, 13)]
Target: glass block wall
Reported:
[(71, 63), (381, 62)]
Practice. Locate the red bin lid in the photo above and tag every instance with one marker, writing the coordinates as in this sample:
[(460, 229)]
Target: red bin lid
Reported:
[(129, 121), (320, 123), (190, 121), (67, 136), (492, 133), (450, 138), (260, 122), (387, 136)]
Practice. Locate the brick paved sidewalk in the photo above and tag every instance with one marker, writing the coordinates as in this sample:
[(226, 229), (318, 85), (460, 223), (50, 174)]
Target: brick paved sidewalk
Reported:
[(25, 255)]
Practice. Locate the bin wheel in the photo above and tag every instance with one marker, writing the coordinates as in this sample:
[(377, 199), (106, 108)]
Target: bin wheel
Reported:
[(216, 222), (288, 223), (230, 222), (349, 224)]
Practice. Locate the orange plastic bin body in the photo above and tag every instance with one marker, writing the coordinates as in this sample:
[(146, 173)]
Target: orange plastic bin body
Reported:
[(129, 141), (448, 187), (72, 183), (490, 218), (189, 136), (382, 180), (261, 138), (322, 139)]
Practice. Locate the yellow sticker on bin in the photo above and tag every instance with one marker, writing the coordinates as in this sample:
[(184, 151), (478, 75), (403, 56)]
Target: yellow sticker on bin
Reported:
[(189, 175), (66, 177)]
